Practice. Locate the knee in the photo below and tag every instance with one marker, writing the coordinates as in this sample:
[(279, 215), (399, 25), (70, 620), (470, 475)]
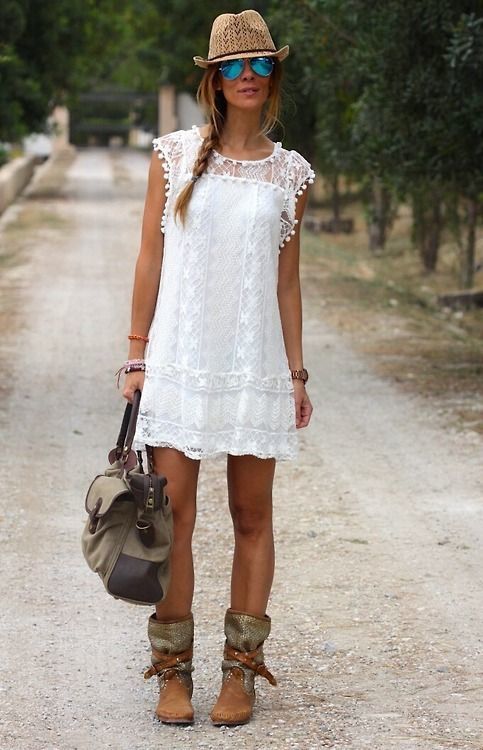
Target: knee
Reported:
[(181, 488), (252, 520), (183, 505), (183, 524)]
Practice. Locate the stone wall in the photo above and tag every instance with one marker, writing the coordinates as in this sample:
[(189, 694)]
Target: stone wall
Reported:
[(14, 176)]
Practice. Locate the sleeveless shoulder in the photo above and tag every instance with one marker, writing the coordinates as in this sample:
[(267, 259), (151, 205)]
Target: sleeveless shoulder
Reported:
[(170, 148), (176, 153), (299, 175)]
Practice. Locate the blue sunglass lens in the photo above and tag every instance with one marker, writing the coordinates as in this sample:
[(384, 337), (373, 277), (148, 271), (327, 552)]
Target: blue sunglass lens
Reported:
[(262, 66), (231, 69)]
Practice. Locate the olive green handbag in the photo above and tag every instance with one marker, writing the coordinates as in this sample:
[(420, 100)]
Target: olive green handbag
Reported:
[(128, 534)]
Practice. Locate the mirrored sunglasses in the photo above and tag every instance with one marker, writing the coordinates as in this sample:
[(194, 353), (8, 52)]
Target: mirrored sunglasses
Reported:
[(231, 69)]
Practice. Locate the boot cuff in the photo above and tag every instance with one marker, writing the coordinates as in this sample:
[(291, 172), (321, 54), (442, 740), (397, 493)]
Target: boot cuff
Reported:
[(246, 632), (171, 637)]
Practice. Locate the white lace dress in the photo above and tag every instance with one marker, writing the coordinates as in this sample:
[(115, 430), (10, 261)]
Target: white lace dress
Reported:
[(217, 375)]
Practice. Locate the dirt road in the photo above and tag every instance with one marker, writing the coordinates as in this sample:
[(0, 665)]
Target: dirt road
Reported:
[(377, 603)]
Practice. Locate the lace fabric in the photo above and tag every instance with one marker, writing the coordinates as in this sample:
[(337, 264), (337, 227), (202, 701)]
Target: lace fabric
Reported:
[(286, 169), (217, 376)]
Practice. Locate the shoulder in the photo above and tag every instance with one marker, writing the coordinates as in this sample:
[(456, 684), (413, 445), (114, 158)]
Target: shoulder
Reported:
[(170, 140), (192, 133), (177, 146), (299, 171), (177, 149), (295, 161)]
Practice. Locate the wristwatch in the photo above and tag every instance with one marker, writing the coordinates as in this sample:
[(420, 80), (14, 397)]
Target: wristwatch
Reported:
[(300, 374)]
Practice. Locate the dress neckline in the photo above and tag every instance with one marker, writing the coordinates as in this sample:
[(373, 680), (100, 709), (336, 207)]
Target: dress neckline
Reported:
[(276, 147)]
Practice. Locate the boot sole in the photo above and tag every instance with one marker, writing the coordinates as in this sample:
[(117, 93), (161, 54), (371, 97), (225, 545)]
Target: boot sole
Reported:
[(237, 723), (174, 721)]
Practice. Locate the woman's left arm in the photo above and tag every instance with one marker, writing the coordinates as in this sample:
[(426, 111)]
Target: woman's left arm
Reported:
[(290, 306)]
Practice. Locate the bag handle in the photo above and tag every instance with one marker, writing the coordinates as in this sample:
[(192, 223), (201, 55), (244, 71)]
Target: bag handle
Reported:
[(128, 427)]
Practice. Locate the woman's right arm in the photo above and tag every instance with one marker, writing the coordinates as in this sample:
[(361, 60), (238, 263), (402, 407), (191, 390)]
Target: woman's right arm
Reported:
[(148, 270)]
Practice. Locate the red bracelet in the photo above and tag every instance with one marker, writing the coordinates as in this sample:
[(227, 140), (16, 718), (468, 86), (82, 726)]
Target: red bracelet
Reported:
[(136, 337)]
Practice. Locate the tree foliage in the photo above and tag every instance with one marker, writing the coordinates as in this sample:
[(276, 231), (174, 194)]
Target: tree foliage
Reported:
[(396, 89), (50, 50), (388, 92)]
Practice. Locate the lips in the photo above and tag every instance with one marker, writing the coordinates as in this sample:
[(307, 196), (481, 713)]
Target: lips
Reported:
[(248, 90)]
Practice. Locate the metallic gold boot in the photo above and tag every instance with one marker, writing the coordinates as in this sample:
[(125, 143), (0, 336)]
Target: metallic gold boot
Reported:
[(243, 659), (171, 659)]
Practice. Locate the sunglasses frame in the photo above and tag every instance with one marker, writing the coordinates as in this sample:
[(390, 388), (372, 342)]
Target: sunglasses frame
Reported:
[(250, 60)]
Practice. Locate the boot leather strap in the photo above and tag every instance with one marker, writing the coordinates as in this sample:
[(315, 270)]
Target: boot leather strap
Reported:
[(248, 659), (167, 661)]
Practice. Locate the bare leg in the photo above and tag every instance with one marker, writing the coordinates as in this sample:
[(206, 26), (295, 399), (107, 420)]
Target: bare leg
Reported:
[(250, 482), (182, 475)]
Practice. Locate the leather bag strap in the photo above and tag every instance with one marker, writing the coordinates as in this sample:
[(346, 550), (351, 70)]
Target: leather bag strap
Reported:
[(128, 427)]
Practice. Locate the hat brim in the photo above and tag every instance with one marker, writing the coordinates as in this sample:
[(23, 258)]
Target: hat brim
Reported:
[(280, 54)]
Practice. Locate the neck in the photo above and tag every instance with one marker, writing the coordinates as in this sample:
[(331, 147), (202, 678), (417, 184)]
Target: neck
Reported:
[(241, 129)]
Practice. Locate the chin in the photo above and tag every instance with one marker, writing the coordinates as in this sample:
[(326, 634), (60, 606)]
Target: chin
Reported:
[(254, 102)]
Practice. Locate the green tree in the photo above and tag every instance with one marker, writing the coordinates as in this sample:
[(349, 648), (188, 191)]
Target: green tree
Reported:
[(396, 92), (415, 122), (320, 91), (465, 59), (49, 51), (171, 32)]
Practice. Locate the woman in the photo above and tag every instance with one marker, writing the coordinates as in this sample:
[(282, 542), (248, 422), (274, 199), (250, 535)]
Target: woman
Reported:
[(217, 296)]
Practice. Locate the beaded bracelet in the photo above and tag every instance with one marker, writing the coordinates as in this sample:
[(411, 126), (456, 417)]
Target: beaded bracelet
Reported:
[(135, 367), (137, 337), (131, 365)]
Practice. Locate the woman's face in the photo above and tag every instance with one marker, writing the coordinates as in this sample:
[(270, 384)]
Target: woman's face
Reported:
[(248, 91)]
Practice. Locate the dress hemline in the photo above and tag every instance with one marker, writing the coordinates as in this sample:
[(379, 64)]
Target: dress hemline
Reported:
[(218, 453)]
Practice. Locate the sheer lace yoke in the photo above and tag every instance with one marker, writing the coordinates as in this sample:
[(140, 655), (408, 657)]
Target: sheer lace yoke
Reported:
[(286, 170)]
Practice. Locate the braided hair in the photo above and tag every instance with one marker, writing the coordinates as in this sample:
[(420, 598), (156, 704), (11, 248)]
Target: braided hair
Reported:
[(213, 102)]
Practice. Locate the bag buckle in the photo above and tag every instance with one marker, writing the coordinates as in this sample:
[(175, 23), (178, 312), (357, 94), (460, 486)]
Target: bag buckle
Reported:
[(93, 518), (145, 531), (149, 504)]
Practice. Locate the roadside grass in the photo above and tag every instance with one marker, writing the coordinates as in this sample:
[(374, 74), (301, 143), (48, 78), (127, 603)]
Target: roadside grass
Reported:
[(388, 307)]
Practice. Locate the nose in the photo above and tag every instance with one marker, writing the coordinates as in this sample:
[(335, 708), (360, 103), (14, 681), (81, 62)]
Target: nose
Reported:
[(247, 72)]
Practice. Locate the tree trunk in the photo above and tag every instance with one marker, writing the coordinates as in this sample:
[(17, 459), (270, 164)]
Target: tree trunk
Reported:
[(379, 215), (432, 240), (427, 229), (335, 199), (468, 260)]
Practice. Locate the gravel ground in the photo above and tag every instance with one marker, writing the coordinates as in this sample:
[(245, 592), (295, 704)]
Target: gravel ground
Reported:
[(377, 601)]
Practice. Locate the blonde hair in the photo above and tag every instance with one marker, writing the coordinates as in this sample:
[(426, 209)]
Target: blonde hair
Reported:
[(214, 106)]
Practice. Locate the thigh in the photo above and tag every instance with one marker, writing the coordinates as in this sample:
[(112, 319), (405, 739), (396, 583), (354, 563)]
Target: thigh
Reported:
[(250, 481)]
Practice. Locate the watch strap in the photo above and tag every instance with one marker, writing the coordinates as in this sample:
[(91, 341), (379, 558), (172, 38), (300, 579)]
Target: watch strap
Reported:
[(300, 374)]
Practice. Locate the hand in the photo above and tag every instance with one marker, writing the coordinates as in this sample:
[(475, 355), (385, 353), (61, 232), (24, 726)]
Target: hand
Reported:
[(303, 407), (134, 382)]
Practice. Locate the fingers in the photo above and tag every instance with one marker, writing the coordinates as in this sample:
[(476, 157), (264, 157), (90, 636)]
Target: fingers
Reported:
[(128, 394), (306, 413), (303, 410), (134, 382), (298, 411)]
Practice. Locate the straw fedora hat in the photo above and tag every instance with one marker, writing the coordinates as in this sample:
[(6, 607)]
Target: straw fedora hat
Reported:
[(235, 35)]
